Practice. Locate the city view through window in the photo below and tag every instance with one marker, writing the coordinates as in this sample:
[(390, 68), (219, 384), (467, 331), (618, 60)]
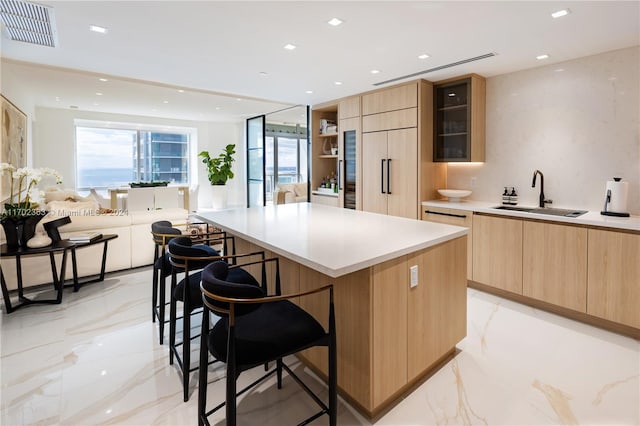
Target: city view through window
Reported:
[(108, 157)]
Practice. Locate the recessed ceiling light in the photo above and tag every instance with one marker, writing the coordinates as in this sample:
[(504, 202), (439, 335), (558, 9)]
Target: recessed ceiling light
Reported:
[(334, 22), (337, 83), (423, 56), (560, 13), (309, 92), (289, 46), (545, 56), (103, 79), (98, 94), (97, 29), (180, 91), (238, 99), (57, 98), (217, 108), (375, 71), (165, 102)]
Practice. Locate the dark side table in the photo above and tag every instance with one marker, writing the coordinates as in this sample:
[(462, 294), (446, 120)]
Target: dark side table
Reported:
[(58, 279)]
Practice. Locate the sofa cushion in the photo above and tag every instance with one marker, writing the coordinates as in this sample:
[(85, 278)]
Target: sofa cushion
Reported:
[(300, 189), (71, 208)]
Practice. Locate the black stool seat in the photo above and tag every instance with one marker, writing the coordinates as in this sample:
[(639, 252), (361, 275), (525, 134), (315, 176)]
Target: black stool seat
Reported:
[(273, 330), (237, 275)]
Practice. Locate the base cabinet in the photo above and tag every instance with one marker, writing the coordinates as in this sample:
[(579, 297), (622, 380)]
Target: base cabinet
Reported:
[(389, 335), (454, 217), (497, 252), (555, 264), (587, 273), (614, 276), (326, 200)]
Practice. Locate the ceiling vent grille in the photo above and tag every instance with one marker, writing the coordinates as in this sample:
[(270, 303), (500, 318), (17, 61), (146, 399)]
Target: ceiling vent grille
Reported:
[(438, 68), (29, 22)]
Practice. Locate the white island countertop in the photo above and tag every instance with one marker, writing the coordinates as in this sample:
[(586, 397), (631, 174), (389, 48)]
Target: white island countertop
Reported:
[(591, 218), (331, 240)]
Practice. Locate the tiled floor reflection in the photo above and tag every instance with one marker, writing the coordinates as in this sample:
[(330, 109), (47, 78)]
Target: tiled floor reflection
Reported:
[(95, 359)]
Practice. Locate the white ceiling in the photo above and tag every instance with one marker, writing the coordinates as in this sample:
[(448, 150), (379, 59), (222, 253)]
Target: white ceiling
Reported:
[(210, 48)]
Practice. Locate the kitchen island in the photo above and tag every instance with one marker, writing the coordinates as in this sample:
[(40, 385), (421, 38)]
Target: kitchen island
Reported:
[(390, 334)]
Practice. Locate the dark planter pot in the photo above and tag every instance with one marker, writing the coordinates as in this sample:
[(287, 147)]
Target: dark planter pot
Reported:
[(19, 230)]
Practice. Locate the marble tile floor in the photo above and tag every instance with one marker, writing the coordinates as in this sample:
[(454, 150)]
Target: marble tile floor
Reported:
[(95, 359)]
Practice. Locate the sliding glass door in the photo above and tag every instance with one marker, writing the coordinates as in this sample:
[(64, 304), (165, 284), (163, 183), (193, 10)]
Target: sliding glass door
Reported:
[(277, 152), (255, 161)]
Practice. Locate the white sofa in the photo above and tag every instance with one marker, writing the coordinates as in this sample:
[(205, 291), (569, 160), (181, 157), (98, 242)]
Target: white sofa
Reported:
[(290, 193), (133, 247)]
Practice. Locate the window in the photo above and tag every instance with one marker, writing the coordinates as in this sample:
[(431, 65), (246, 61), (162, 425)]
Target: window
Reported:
[(109, 156)]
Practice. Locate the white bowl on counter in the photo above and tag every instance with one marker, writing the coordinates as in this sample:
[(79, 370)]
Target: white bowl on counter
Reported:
[(454, 195)]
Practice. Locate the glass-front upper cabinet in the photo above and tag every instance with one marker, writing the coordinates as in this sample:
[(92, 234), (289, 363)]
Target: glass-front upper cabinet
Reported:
[(459, 121)]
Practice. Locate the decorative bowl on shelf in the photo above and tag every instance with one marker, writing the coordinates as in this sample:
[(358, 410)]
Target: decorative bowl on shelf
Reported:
[(454, 195)]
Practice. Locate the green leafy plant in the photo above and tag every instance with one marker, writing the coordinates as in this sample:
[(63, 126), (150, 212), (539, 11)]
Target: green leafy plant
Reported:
[(219, 168)]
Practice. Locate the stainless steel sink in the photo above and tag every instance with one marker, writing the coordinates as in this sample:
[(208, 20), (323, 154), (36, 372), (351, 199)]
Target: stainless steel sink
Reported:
[(519, 209), (546, 210)]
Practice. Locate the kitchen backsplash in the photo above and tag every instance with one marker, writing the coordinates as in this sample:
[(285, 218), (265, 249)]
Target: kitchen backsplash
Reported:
[(576, 121)]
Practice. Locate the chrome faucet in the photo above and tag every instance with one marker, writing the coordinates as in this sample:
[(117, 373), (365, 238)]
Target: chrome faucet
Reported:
[(533, 185)]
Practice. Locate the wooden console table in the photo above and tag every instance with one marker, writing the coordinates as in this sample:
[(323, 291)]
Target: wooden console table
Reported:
[(58, 278)]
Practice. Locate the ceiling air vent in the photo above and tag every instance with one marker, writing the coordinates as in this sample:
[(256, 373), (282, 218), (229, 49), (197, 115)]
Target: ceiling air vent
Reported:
[(441, 67), (29, 22)]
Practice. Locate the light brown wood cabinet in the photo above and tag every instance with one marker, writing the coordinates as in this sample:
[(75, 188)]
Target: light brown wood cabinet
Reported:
[(454, 217), (389, 335), (399, 119), (412, 173), (395, 98), (497, 252), (555, 264), (434, 327), (349, 107), (390, 172), (582, 272), (614, 276)]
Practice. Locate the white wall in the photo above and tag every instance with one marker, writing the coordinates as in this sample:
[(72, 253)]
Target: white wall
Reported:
[(16, 92), (220, 135), (54, 145), (576, 121)]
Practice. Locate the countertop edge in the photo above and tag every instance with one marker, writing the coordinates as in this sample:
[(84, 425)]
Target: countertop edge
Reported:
[(335, 273), (590, 218)]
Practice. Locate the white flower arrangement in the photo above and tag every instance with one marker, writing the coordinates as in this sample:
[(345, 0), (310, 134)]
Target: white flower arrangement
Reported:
[(24, 188)]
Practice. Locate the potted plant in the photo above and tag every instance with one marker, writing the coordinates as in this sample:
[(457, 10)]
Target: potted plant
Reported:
[(219, 172)]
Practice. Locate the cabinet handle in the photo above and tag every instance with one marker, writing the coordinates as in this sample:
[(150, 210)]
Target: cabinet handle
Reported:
[(339, 175), (382, 175), (388, 174), (446, 214)]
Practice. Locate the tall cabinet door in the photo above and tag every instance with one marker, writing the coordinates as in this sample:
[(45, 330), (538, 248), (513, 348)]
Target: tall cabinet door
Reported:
[(374, 172), (402, 169)]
